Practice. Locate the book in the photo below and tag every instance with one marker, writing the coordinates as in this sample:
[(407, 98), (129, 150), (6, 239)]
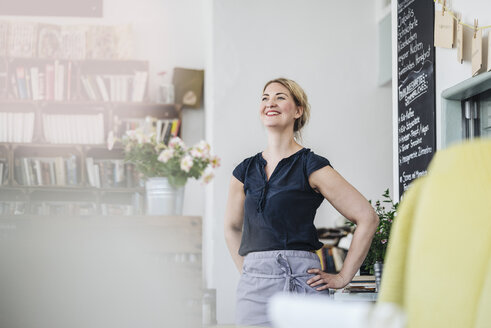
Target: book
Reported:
[(37, 171), (361, 284), (13, 87), (2, 165), (33, 171), (49, 82), (42, 85), (125, 41), (4, 79), (119, 173), (22, 39), (35, 82), (97, 176), (52, 173), (60, 171), (363, 279), (21, 82), (93, 86), (18, 172), (89, 163), (69, 81), (330, 267), (87, 88), (139, 86), (102, 88), (168, 130), (49, 42), (4, 29), (101, 42), (27, 73), (175, 127), (73, 42), (59, 82), (71, 170), (161, 129), (27, 178)]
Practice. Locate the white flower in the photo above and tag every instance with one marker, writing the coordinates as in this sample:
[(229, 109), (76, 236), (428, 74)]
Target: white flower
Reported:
[(140, 137), (215, 161), (176, 141), (196, 153), (204, 147), (208, 174), (186, 163), (131, 134), (201, 150), (148, 137), (166, 154), (110, 140)]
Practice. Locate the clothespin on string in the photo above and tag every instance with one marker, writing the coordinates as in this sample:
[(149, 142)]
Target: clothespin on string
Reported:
[(475, 27), (443, 7)]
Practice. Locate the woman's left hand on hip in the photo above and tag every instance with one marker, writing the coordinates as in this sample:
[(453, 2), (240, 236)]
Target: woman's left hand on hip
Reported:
[(328, 280)]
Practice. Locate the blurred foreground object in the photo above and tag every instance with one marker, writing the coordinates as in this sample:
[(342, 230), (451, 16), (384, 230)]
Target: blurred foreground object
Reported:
[(107, 272), (438, 264), (298, 311)]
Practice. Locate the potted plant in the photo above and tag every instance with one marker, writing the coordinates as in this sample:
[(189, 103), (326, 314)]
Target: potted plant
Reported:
[(386, 211), (165, 168)]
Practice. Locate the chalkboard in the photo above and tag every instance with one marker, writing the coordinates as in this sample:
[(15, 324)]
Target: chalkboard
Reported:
[(416, 89)]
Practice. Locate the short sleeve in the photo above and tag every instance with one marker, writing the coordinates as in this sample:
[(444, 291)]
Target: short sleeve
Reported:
[(315, 162), (240, 170)]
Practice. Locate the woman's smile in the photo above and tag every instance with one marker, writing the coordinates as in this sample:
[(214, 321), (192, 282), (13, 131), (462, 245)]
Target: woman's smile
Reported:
[(272, 113)]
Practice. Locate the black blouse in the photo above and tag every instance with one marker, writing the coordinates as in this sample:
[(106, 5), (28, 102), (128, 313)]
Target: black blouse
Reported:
[(279, 213)]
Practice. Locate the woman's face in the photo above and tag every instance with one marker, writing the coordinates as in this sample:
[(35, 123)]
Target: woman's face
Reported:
[(278, 108)]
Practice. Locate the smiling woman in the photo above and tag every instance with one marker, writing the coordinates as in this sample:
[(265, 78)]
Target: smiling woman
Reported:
[(282, 96), (273, 198)]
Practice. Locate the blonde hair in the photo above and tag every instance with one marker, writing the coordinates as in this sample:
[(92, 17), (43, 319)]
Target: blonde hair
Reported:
[(300, 98)]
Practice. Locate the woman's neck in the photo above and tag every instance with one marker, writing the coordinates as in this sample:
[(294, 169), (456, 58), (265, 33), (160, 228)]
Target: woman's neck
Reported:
[(280, 145)]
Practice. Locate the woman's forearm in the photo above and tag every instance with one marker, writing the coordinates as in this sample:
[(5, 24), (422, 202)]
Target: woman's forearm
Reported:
[(233, 237), (362, 239)]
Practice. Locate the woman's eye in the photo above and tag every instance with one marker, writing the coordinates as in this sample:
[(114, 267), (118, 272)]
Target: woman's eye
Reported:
[(282, 98), (264, 99)]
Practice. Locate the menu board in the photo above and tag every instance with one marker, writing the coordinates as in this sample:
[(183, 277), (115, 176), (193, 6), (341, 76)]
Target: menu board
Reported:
[(416, 89)]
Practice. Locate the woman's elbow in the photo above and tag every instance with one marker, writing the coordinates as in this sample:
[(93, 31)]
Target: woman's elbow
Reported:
[(369, 219), (374, 220)]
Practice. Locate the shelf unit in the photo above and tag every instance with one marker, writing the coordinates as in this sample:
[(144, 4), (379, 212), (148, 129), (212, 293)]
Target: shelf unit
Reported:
[(48, 144)]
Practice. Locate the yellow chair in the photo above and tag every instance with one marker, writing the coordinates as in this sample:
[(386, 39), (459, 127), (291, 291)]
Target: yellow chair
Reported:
[(438, 264)]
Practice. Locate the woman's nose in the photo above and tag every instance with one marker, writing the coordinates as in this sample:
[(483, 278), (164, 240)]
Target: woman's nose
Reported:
[(270, 103)]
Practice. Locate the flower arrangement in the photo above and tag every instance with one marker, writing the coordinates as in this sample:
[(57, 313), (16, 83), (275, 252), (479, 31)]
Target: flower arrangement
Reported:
[(381, 238), (175, 161)]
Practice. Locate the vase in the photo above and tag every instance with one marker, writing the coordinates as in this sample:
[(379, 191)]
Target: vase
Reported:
[(378, 268), (163, 198)]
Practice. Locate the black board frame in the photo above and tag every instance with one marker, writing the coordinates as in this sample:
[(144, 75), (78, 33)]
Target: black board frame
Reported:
[(416, 112)]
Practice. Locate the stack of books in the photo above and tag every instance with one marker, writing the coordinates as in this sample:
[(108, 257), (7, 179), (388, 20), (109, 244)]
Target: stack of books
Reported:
[(361, 284)]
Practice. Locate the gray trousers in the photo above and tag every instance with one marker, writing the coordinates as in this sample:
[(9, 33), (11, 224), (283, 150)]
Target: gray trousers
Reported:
[(267, 273)]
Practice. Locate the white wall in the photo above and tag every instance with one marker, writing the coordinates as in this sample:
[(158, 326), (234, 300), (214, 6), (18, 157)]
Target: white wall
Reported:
[(329, 47), (448, 71), (167, 33)]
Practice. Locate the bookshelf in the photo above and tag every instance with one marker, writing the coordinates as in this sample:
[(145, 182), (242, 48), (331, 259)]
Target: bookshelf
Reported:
[(53, 154)]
